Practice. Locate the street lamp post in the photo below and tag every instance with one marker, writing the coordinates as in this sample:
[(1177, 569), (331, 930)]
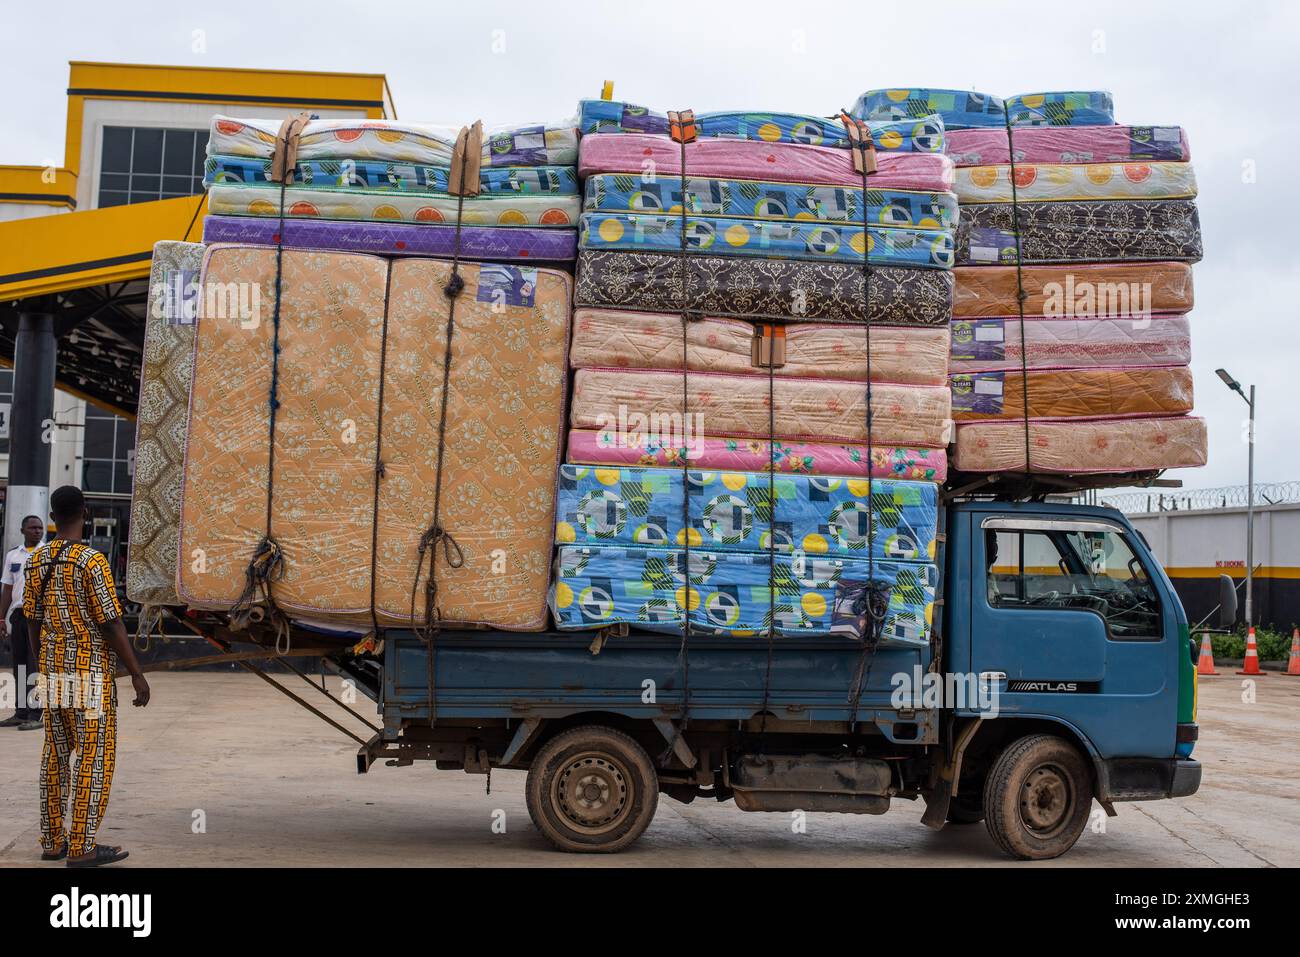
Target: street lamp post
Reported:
[(1235, 386)]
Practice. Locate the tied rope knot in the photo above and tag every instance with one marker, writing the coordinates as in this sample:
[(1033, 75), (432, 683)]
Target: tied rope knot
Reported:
[(434, 535), (875, 604), (450, 547), (255, 603), (455, 285)]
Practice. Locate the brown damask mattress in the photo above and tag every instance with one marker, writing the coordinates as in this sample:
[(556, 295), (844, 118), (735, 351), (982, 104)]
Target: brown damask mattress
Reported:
[(1128, 230), (763, 288)]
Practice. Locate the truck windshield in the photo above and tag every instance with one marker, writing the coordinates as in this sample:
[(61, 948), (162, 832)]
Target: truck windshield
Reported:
[(1084, 570)]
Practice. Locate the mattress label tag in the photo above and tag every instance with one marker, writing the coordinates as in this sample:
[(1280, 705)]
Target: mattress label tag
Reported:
[(504, 285), (849, 611), (979, 392), (1168, 134), (978, 339), (984, 254)]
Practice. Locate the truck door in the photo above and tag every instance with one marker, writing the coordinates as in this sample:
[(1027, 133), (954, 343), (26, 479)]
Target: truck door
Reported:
[(1067, 622)]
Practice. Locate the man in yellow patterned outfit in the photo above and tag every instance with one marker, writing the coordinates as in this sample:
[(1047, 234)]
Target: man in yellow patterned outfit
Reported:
[(70, 600)]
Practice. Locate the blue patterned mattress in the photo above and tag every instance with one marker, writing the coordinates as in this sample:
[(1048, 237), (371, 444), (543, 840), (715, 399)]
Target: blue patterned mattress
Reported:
[(730, 595), (727, 236), (622, 192), (964, 109), (819, 515), (922, 134)]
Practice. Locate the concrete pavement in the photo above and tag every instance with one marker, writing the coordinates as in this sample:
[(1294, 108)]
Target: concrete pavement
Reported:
[(221, 770)]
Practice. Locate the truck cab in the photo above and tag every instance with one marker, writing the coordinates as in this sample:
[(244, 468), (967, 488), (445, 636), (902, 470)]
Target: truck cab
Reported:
[(1066, 612), (1060, 671)]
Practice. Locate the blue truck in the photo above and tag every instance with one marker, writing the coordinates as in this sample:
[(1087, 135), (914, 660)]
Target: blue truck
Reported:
[(1061, 671)]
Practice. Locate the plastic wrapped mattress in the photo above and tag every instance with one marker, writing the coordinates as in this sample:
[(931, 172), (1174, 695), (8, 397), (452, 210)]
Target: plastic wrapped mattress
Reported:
[(1129, 230), (987, 344), (756, 288), (793, 456), (349, 173), (1082, 446), (648, 340), (729, 592), (503, 434), (753, 199), (498, 243), (1071, 393), (961, 109), (396, 141), (724, 236), (904, 136), (637, 401), (734, 512), (1085, 291), (1042, 182), (161, 422), (490, 209), (1069, 144), (746, 159)]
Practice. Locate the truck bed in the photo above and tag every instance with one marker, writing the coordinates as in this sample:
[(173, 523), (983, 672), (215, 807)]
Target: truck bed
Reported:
[(504, 675)]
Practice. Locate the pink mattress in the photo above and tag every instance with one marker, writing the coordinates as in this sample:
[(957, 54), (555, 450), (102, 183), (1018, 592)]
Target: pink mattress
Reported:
[(648, 340), (635, 402), (603, 447), (1082, 446), (752, 159), (984, 344), (987, 146)]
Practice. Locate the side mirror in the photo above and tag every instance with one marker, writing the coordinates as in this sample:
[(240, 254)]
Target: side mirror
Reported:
[(1227, 603)]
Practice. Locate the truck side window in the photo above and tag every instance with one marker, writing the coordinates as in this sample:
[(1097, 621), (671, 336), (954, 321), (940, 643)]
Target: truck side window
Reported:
[(1081, 570)]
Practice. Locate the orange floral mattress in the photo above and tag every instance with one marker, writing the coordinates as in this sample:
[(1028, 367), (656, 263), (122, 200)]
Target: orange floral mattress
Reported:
[(503, 437)]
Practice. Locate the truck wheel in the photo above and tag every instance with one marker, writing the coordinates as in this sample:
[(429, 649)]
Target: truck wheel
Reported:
[(1037, 797), (966, 808), (592, 789)]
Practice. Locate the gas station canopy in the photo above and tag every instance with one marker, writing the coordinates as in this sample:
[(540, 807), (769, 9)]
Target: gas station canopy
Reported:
[(91, 270)]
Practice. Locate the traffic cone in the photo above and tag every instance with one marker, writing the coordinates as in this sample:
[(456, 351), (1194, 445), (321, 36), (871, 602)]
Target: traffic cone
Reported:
[(1252, 656), (1293, 663), (1205, 663)]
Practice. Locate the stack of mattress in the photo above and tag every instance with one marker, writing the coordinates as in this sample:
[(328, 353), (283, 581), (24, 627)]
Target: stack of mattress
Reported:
[(752, 414), (398, 439), (357, 450), (1101, 220), (386, 187), (766, 551)]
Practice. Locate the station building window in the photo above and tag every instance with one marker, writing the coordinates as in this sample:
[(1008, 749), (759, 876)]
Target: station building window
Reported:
[(108, 453), (142, 164), (6, 398)]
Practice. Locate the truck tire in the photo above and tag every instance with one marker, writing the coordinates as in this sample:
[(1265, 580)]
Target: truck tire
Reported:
[(592, 790), (1037, 797)]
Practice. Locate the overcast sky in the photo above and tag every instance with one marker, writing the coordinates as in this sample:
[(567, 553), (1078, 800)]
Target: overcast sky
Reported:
[(1227, 72)]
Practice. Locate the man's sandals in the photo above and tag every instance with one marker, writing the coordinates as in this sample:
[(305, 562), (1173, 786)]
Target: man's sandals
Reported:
[(101, 855)]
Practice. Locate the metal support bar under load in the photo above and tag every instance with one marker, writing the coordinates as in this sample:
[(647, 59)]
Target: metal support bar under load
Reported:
[(674, 738)]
